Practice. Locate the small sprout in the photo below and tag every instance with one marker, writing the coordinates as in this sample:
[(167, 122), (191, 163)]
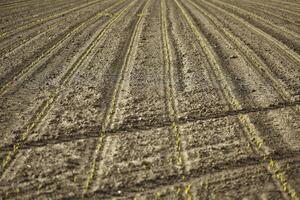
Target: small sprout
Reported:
[(284, 187), (157, 194), (187, 188), (271, 163), (15, 148), (187, 192)]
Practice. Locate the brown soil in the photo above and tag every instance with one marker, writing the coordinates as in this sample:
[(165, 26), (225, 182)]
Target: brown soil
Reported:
[(149, 99)]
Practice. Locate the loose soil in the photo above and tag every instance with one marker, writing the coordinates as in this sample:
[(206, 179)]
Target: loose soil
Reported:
[(149, 99)]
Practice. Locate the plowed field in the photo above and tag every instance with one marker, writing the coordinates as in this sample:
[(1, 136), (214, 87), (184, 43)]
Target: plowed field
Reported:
[(150, 99)]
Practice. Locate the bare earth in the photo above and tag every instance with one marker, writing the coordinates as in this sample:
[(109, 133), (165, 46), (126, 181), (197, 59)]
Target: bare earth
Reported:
[(150, 99)]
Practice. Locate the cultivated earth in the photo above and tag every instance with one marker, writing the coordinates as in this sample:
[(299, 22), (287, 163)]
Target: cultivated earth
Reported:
[(150, 99)]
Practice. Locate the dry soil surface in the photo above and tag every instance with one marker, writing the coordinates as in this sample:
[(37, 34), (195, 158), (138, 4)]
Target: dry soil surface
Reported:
[(150, 99)]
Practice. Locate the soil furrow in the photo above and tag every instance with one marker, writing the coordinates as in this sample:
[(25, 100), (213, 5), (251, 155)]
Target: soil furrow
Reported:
[(41, 83), (107, 119), (44, 19), (16, 45), (72, 160), (152, 153), (192, 78), (244, 120), (17, 74), (270, 54), (292, 10), (109, 65), (60, 24), (200, 159), (13, 4), (275, 17), (289, 38), (288, 3), (278, 9), (250, 55), (139, 108), (46, 104), (153, 190), (169, 87), (34, 5), (10, 23), (151, 99), (31, 11)]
